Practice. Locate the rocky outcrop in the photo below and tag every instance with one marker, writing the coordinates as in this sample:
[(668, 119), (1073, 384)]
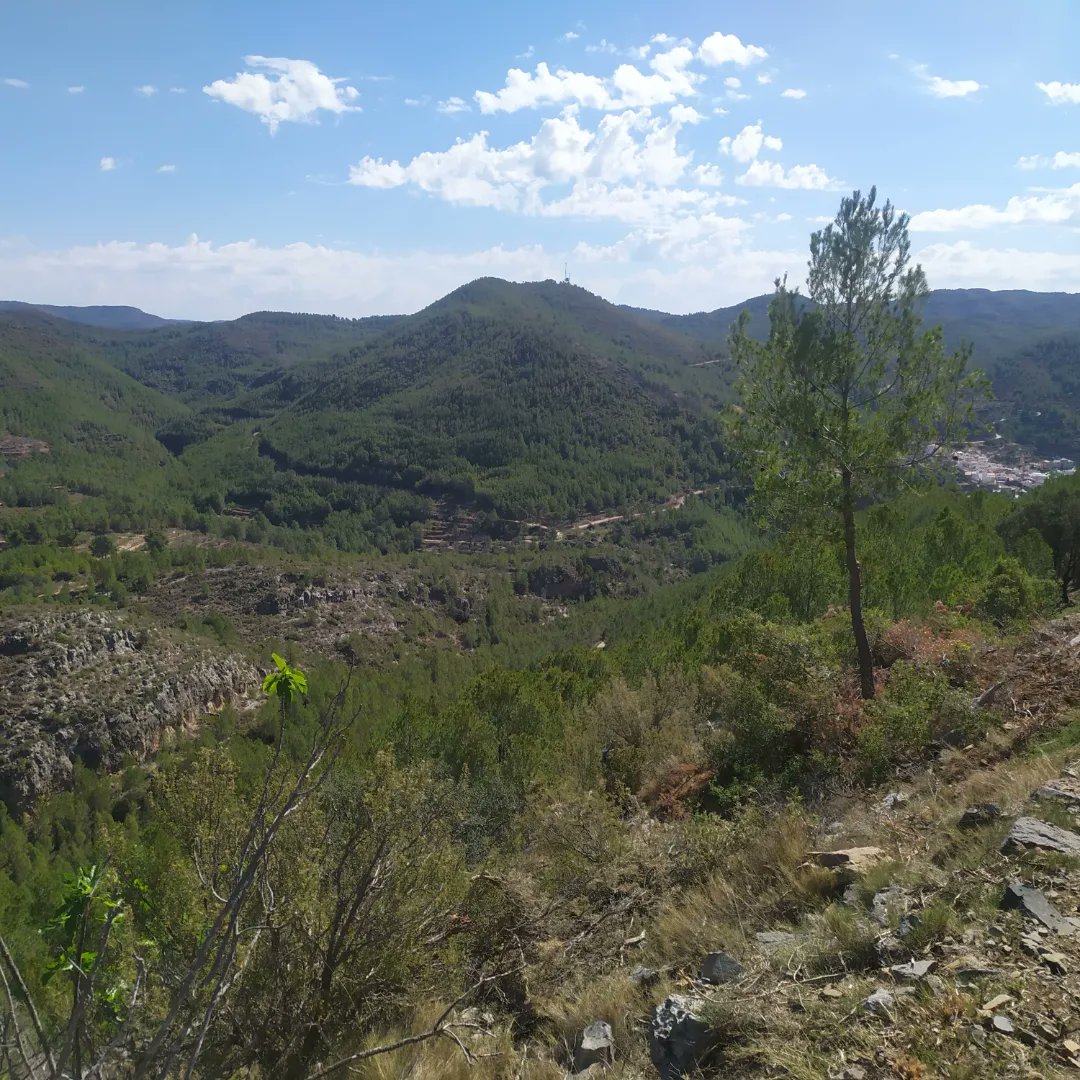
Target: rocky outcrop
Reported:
[(679, 1036), (1029, 832), (94, 688)]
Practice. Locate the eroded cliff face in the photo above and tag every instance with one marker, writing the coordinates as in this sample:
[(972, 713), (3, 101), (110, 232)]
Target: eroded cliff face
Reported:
[(94, 687)]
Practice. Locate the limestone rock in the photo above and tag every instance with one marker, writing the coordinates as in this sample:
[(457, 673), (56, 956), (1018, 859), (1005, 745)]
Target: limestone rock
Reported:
[(913, 970), (1029, 832), (1020, 897), (1065, 789), (856, 859), (595, 1047), (881, 1001), (980, 814)]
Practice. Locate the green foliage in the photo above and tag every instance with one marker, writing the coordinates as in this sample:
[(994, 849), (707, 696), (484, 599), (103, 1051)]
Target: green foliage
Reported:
[(284, 683), (1052, 512)]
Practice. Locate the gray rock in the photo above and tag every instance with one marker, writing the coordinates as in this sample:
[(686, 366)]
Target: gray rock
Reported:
[(881, 1001), (1003, 1025), (887, 903), (908, 923), (679, 1039), (913, 969), (1064, 790), (1029, 832), (980, 814), (894, 800), (770, 940), (1020, 897), (719, 968), (596, 1047), (644, 976)]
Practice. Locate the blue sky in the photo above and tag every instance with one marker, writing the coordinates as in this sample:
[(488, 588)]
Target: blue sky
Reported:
[(206, 159)]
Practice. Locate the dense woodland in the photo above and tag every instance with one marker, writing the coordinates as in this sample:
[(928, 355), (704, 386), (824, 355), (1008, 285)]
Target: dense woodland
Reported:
[(490, 800)]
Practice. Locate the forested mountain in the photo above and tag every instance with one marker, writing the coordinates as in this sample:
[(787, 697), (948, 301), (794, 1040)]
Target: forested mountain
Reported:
[(106, 317), (529, 400), (509, 400), (92, 426)]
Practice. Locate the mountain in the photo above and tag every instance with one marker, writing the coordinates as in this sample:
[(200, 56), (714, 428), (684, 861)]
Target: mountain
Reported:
[(210, 363), (77, 421), (530, 399), (107, 317)]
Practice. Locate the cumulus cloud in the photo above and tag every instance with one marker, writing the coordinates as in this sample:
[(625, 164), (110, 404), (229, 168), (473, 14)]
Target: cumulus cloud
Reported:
[(571, 35), (1060, 93), (17, 84), (764, 79), (939, 87), (1060, 160), (107, 164), (525, 90), (294, 91), (449, 106), (1057, 207), (668, 80), (798, 177), (177, 90), (76, 89), (719, 49), (732, 82), (147, 90), (746, 146), (166, 168), (793, 93), (610, 167)]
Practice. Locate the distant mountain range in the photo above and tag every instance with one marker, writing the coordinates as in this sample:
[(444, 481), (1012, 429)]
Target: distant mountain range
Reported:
[(107, 317), (523, 400)]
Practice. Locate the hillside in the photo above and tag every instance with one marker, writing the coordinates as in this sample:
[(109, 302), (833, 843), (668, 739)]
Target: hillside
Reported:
[(529, 400), (105, 317)]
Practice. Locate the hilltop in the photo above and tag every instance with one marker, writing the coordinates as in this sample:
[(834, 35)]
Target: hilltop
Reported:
[(106, 317)]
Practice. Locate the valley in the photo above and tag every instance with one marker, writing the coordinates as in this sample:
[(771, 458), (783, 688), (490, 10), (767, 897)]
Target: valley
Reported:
[(568, 677)]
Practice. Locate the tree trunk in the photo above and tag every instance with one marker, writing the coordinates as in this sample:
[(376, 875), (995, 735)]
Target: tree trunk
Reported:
[(858, 628)]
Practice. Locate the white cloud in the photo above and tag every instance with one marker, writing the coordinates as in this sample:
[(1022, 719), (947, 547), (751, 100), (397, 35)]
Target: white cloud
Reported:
[(669, 79), (147, 90), (166, 168), (1061, 93), (798, 177), (764, 79), (709, 175), (602, 46), (416, 102), (17, 84), (732, 82), (451, 105), (528, 54), (1057, 207), (525, 90), (953, 88), (746, 146), (107, 164), (177, 90), (719, 49), (963, 264), (631, 148), (76, 89), (945, 88), (1061, 160), (297, 91), (571, 35), (793, 93)]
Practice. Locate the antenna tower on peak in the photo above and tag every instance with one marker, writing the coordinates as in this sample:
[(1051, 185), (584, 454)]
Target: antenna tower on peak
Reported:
[(566, 274)]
